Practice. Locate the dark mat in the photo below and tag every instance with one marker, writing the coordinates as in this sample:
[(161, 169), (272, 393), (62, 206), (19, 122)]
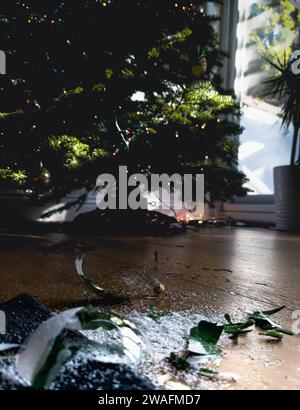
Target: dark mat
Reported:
[(23, 316)]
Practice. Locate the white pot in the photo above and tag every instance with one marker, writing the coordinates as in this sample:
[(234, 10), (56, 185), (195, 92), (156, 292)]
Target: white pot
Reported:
[(287, 197)]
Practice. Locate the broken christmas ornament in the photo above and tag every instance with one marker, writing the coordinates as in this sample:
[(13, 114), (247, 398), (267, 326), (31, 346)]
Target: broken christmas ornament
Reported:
[(54, 343), (89, 348), (147, 281)]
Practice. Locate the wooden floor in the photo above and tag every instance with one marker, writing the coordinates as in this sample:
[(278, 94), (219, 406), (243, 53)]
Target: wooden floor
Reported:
[(211, 271)]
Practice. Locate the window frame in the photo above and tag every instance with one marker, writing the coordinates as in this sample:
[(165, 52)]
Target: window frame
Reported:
[(252, 208)]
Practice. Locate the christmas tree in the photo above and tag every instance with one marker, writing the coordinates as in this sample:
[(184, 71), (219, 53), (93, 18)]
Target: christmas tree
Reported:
[(94, 84)]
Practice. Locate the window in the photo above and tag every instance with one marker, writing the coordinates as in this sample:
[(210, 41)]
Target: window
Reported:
[(265, 27)]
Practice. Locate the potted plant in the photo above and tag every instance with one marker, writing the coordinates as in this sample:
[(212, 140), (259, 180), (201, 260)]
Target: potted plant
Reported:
[(285, 87)]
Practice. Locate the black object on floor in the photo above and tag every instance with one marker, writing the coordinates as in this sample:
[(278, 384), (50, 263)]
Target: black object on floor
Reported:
[(127, 222), (23, 316)]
